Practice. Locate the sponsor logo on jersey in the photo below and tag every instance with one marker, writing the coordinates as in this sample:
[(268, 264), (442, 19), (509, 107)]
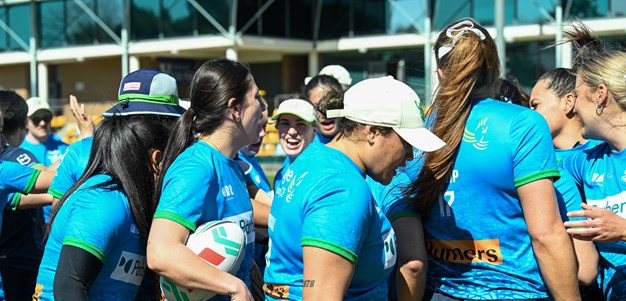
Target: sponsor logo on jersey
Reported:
[(465, 251), (389, 240), (477, 137), (228, 192), (23, 159), (294, 183), (54, 155), (130, 268), (276, 291), (245, 222), (597, 179), (615, 203), (134, 230)]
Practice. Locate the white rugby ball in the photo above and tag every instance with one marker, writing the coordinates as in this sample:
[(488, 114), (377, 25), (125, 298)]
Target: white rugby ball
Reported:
[(220, 243)]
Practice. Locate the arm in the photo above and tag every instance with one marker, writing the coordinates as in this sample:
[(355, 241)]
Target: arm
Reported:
[(34, 201), (326, 274), (169, 257), (552, 247), (601, 225), (259, 195), (587, 258), (75, 273), (261, 213), (43, 182), (412, 258)]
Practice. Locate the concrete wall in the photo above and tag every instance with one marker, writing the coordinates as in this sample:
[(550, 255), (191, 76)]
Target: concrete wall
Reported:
[(17, 78)]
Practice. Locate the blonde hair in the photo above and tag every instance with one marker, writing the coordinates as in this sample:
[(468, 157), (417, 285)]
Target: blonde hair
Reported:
[(468, 61)]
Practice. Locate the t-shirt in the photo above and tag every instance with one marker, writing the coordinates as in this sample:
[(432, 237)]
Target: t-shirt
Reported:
[(99, 221), (254, 172), (601, 172), (321, 139), (72, 166), (329, 207), (15, 178), (202, 185), (47, 153), (21, 239), (476, 235)]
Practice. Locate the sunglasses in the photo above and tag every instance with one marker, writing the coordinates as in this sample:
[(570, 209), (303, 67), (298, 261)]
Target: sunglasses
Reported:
[(37, 119)]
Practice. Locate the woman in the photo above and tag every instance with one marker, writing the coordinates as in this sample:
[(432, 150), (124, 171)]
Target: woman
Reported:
[(600, 92), (317, 89), (96, 244), (200, 181), (328, 239), (491, 233)]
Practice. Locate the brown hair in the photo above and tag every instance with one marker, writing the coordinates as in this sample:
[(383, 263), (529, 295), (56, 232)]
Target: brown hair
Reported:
[(468, 69)]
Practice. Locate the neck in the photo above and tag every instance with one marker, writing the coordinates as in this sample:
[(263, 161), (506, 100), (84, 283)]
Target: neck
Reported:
[(36, 140), (613, 129), (569, 135), (13, 139), (223, 142), (350, 149)]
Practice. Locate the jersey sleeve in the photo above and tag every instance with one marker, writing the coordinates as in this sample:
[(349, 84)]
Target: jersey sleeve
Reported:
[(15, 177), (87, 206), (390, 198), (66, 176), (533, 152), (184, 191), (336, 217)]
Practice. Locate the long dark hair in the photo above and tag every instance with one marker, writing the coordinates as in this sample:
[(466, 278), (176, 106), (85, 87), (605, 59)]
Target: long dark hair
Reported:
[(15, 110), (471, 63), (122, 148), (213, 84)]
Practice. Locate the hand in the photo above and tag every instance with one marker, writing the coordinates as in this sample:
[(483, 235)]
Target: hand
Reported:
[(241, 293), (85, 123), (601, 224)]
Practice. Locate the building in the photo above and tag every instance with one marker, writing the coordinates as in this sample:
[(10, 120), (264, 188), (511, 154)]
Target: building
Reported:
[(53, 48)]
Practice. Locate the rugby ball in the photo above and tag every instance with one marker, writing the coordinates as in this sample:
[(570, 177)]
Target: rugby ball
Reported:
[(220, 243)]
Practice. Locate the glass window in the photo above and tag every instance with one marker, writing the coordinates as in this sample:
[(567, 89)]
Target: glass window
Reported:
[(145, 20), (4, 37), (80, 28), (51, 22), (300, 16), (219, 10), (370, 17), (336, 19), (527, 61), (110, 12), (19, 21), (404, 13), (446, 12), (177, 18), (589, 8), (618, 8)]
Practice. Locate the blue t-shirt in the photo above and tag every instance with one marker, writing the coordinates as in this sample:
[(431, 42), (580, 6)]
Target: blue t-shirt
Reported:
[(321, 139), (280, 172), (254, 173), (476, 235), (72, 166), (15, 178), (21, 240), (47, 153), (390, 198), (601, 172), (99, 221), (328, 207), (202, 185)]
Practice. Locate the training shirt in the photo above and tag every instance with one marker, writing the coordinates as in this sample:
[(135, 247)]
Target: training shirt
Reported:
[(390, 198), (329, 207), (280, 172), (99, 221), (203, 185), (476, 235), (71, 168), (254, 173), (22, 230), (321, 139), (601, 172)]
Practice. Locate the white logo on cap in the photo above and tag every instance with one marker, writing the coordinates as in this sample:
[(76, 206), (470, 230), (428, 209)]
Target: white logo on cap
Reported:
[(132, 86)]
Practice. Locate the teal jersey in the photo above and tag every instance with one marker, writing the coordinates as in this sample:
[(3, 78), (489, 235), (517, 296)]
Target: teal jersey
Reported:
[(390, 198), (321, 139), (202, 185), (601, 172), (99, 221), (476, 235), (72, 166), (330, 207), (278, 177), (254, 173), (15, 178)]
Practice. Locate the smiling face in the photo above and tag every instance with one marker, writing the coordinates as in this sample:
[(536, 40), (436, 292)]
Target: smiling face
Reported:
[(295, 134), (387, 153), (547, 103), (327, 127)]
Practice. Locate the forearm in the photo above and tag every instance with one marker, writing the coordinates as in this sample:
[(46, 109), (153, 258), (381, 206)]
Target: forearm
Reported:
[(76, 271), (411, 281), (34, 201), (587, 258), (557, 263), (261, 213), (412, 258)]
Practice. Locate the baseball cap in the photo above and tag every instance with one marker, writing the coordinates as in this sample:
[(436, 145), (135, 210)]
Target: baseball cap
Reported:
[(298, 107), (35, 104), (337, 71), (388, 102), (147, 91)]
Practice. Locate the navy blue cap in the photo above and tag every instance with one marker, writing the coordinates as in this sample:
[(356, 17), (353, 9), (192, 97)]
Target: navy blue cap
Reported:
[(147, 91)]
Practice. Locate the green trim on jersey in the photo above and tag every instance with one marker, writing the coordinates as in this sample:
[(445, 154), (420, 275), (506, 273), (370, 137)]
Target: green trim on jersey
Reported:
[(15, 201), (37, 165), (335, 248), (405, 214), (55, 193), (31, 181), (85, 246), (548, 173), (176, 218)]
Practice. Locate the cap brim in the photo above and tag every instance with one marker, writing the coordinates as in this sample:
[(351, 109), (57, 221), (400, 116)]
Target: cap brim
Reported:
[(275, 117), (144, 108), (420, 138)]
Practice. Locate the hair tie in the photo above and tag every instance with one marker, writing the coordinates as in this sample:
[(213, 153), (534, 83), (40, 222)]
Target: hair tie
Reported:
[(461, 27)]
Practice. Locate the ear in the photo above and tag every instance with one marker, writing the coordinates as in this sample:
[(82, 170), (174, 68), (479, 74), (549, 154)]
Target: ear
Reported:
[(567, 104), (371, 134), (155, 160), (601, 95), (440, 73), (233, 109)]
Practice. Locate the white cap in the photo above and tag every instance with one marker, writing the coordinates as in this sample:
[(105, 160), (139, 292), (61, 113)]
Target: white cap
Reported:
[(298, 107), (35, 104), (391, 103), (338, 72)]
